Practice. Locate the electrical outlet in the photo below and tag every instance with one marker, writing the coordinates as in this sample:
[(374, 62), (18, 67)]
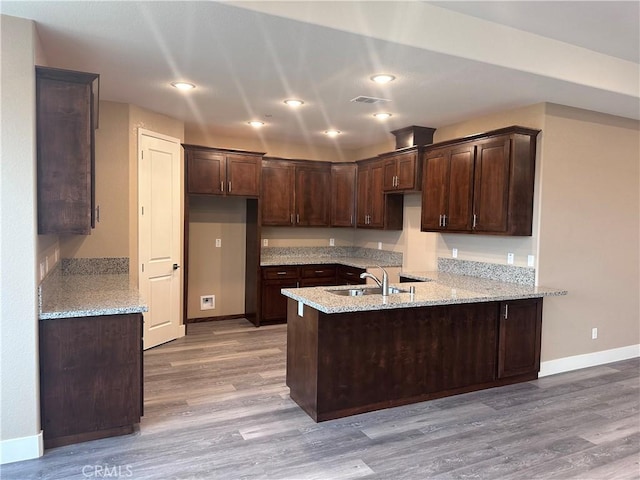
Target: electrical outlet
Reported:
[(332, 242), (379, 245), (207, 302), (265, 242), (594, 333), (218, 242), (454, 253), (531, 261), (510, 258)]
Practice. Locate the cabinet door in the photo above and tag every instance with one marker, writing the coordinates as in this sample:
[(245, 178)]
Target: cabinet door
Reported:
[(390, 174), (376, 195), (408, 171), (491, 188), (312, 195), (343, 190), (274, 304), (435, 189), (277, 193), (460, 196), (520, 332), (465, 360), (65, 151), (205, 172), (243, 175), (362, 192)]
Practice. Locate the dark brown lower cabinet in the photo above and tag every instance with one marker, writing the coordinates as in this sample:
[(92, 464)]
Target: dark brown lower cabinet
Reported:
[(90, 377), (349, 363)]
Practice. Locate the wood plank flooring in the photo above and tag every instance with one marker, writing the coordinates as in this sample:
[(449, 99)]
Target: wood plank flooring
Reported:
[(216, 407)]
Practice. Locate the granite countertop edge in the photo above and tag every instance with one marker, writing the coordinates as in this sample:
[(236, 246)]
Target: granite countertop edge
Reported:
[(358, 262), (73, 296), (436, 289)]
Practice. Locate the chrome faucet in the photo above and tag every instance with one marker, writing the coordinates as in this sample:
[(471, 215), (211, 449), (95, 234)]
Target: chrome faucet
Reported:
[(384, 284)]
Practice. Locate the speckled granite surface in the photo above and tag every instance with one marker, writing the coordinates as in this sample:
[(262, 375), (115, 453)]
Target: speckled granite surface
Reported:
[(438, 288), (492, 271), (95, 266), (352, 256), (64, 296)]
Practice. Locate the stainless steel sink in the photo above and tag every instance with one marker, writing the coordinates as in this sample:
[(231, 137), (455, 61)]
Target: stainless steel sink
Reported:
[(357, 292)]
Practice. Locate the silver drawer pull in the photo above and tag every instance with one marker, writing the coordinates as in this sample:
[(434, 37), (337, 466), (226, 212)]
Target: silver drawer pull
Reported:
[(281, 273)]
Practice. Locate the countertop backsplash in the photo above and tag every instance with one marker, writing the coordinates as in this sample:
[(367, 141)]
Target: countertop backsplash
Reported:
[(491, 271), (382, 256)]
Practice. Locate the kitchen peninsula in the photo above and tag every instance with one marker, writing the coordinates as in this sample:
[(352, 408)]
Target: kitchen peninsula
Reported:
[(454, 334)]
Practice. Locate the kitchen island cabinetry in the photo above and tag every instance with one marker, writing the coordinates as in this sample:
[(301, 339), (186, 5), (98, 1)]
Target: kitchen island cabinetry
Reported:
[(213, 171), (66, 113), (480, 184), (348, 355), (90, 377)]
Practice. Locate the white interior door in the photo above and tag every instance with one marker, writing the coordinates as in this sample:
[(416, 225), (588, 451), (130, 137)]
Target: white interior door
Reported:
[(159, 234)]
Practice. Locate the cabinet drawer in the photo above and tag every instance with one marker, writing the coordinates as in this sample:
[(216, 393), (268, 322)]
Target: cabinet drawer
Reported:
[(273, 273), (318, 271), (346, 275)]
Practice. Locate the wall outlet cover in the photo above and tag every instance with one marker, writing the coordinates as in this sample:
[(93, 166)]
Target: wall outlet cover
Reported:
[(454, 253), (531, 261), (218, 242), (510, 258), (207, 302), (265, 242), (332, 242), (379, 245)]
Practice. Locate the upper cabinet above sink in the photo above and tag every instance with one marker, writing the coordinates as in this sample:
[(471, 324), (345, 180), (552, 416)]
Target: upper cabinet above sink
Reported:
[(481, 184)]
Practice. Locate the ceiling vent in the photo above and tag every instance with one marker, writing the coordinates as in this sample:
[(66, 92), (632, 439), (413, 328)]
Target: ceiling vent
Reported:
[(369, 100)]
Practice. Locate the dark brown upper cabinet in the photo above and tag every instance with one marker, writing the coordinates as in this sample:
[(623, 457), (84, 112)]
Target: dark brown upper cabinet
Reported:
[(212, 171), (295, 193), (343, 194), (402, 171), (481, 184), (374, 208), (66, 117)]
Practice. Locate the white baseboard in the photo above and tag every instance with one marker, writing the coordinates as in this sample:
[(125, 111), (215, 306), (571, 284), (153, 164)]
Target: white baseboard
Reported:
[(588, 360), (23, 448)]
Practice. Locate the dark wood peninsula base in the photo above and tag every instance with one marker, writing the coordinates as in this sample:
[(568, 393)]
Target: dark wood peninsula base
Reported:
[(343, 364)]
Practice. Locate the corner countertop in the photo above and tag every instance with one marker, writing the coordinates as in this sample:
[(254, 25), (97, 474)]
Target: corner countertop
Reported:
[(64, 296), (436, 288), (359, 262)]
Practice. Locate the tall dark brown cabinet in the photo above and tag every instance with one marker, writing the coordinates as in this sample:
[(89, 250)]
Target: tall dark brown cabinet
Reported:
[(66, 113)]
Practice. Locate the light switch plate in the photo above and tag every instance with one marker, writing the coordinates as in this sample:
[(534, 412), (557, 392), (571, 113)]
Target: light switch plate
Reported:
[(218, 242)]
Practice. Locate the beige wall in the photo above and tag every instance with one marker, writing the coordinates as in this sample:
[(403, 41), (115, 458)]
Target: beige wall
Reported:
[(217, 271), (110, 237), (20, 433), (589, 231)]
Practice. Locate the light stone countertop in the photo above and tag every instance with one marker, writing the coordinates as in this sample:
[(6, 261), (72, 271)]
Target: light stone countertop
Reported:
[(358, 262), (441, 289), (64, 296)]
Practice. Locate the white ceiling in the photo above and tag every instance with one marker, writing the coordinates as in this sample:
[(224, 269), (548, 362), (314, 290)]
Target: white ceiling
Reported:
[(453, 60)]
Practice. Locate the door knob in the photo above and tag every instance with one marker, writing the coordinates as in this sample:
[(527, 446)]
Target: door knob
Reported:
[(176, 266)]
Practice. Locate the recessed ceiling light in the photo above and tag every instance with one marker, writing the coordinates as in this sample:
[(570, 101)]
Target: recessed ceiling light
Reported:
[(382, 116), (183, 85), (383, 78), (332, 133), (256, 123), (294, 102)]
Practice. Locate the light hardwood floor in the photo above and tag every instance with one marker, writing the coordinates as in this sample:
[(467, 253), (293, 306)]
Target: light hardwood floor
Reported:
[(216, 407)]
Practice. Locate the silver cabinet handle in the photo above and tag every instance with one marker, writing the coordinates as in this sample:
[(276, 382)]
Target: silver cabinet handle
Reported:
[(229, 186), (475, 220), (440, 220), (281, 273), (221, 186), (292, 218), (444, 220), (506, 311), (350, 219), (297, 218)]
